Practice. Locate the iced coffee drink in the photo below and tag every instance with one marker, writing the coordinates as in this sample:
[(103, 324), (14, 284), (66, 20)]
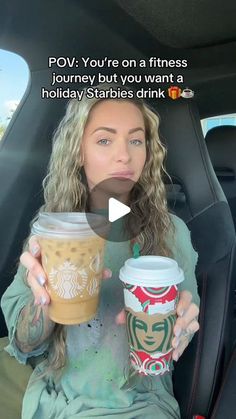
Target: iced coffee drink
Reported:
[(72, 257)]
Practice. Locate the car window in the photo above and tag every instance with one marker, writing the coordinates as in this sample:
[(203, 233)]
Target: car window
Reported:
[(14, 76), (216, 121)]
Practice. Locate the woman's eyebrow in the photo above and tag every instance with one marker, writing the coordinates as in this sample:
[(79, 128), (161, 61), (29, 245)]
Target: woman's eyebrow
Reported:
[(113, 131), (131, 131), (105, 129)]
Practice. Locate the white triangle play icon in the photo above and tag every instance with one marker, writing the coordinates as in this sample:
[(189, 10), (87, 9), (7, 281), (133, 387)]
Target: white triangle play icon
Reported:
[(116, 209)]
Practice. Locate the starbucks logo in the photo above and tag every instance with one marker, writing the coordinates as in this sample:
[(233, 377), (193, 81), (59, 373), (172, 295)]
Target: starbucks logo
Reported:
[(68, 281), (150, 333)]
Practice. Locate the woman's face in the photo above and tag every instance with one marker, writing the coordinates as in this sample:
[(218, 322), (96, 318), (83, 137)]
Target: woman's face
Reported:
[(114, 142)]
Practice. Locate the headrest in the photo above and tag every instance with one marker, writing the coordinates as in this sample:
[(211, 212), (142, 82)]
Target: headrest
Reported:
[(221, 144), (188, 161)]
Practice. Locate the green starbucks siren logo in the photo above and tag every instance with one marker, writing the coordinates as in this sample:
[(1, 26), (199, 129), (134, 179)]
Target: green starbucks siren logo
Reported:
[(150, 333)]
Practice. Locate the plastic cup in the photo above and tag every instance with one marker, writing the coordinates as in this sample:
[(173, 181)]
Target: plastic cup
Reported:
[(151, 296), (72, 257)]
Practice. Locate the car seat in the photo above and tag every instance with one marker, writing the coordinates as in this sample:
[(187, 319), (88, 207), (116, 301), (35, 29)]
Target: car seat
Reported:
[(24, 157), (225, 406), (197, 197), (221, 144)]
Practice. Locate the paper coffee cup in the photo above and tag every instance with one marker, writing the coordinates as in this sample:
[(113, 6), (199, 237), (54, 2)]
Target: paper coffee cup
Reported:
[(72, 257), (151, 296)]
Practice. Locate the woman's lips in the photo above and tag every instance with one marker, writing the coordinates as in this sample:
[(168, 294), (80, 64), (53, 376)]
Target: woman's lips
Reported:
[(122, 174)]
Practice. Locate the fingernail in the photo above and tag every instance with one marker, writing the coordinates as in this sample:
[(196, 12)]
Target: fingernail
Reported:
[(176, 357), (176, 342), (181, 313), (43, 300), (35, 250), (41, 280), (178, 331)]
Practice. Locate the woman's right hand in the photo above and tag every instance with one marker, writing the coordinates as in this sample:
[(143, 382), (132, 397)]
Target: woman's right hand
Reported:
[(36, 277), (35, 326)]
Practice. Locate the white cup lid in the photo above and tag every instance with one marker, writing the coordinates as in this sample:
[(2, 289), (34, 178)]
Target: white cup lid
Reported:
[(151, 271)]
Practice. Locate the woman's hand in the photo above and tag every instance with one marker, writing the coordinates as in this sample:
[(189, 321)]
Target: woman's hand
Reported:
[(36, 276), (34, 325), (186, 324)]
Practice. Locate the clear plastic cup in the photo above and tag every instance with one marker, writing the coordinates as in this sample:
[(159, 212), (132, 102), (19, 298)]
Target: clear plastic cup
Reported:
[(72, 257)]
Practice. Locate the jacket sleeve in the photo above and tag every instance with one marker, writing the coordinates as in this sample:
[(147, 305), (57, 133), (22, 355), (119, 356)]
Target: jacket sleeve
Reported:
[(16, 296)]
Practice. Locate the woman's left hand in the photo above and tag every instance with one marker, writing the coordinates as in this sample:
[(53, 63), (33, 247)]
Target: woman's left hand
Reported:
[(186, 324)]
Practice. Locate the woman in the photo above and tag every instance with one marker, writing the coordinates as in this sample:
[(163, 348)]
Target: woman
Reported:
[(85, 370)]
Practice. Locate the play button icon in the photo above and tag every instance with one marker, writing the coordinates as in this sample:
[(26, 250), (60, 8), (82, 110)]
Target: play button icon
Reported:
[(116, 209), (117, 200)]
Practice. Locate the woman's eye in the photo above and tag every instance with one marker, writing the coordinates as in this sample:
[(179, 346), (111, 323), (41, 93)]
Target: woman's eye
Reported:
[(137, 142), (103, 141)]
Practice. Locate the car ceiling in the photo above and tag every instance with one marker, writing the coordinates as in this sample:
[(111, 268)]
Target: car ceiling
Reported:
[(203, 32)]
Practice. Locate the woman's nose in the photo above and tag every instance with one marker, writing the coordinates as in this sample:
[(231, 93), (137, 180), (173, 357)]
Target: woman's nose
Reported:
[(123, 153)]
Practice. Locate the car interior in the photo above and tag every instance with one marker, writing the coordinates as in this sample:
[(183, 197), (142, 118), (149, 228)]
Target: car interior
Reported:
[(202, 190)]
